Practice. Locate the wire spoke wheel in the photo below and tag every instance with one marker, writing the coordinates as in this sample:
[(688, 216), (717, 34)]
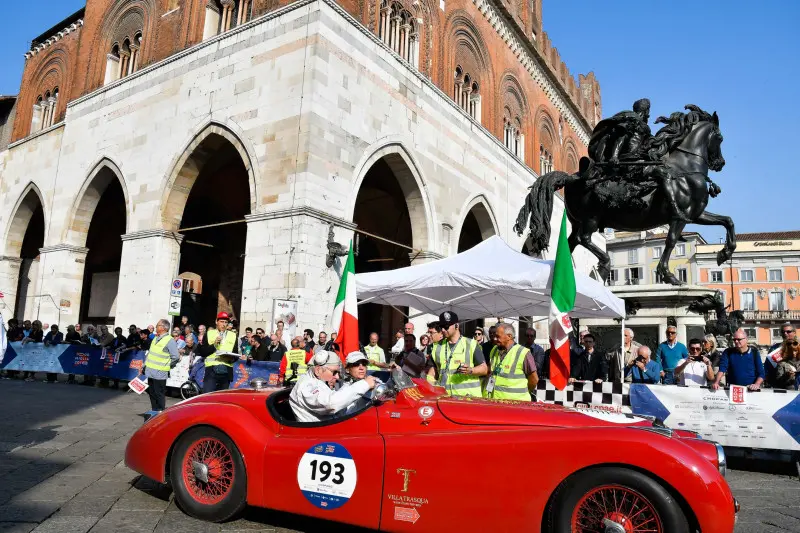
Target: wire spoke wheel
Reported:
[(615, 509), (214, 459)]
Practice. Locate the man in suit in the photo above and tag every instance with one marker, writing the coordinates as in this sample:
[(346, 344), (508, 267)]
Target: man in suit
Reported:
[(589, 364)]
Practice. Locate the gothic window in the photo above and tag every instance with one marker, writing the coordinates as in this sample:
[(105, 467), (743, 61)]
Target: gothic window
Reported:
[(545, 161), (466, 93), (513, 137), (224, 15), (398, 30), (44, 111), (124, 56)]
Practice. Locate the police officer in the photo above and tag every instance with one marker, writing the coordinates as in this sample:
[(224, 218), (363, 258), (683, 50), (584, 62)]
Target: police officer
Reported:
[(459, 361), (161, 357), (375, 354), (513, 368), (219, 370), (295, 355), (313, 398)]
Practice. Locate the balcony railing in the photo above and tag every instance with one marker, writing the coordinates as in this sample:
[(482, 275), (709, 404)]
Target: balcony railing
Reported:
[(765, 316)]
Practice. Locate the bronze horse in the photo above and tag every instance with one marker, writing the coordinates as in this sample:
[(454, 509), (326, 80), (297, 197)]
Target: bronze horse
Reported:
[(590, 210)]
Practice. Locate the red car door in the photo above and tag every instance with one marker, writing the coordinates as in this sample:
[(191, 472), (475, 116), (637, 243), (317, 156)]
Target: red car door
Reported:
[(332, 471)]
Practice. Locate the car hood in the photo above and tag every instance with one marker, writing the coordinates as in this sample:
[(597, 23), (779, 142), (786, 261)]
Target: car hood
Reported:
[(471, 411)]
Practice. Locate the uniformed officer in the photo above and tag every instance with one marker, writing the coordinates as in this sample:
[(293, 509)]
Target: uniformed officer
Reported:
[(375, 354), (513, 368), (219, 369), (458, 360), (294, 355), (161, 357), (313, 398)]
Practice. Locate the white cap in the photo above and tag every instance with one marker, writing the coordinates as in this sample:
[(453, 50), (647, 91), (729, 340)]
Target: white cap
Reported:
[(326, 358), (355, 357)]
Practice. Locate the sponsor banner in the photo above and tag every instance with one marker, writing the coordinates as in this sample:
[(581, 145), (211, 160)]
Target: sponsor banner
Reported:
[(768, 419)]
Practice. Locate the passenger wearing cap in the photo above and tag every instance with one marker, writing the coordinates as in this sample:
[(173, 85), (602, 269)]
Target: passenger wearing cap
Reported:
[(313, 397), (355, 368), (219, 370), (458, 360)]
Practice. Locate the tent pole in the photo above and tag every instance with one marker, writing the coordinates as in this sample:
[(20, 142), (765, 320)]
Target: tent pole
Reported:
[(621, 361)]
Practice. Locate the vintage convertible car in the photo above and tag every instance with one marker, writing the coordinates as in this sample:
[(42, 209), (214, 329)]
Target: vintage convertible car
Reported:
[(415, 459)]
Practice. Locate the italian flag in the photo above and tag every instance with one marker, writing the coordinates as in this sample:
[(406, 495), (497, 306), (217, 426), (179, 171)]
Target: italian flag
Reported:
[(562, 300), (345, 312)]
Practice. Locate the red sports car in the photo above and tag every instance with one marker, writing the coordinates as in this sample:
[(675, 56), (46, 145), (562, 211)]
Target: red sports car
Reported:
[(415, 459)]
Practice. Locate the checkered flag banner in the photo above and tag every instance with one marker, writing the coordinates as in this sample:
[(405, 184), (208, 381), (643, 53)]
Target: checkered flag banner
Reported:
[(586, 392)]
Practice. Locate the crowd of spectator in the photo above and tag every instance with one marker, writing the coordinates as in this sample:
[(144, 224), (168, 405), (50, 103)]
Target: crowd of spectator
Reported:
[(700, 363)]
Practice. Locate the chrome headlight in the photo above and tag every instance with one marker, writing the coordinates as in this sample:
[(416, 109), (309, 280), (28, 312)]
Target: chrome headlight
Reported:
[(721, 459)]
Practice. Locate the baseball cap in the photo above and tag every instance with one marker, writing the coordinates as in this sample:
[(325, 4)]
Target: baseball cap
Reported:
[(355, 357), (223, 316), (325, 358), (447, 319)]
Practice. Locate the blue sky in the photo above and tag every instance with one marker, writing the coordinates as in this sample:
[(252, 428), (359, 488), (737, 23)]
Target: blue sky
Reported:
[(738, 58)]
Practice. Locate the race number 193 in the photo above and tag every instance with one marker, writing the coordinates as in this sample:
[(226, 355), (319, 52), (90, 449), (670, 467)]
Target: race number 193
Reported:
[(326, 475)]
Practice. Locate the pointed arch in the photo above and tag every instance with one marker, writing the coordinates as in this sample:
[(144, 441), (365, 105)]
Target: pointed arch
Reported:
[(29, 200), (186, 167), (83, 207), (408, 173), (484, 221)]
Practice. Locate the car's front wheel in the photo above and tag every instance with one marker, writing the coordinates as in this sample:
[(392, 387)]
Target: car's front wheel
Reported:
[(208, 475), (615, 500)]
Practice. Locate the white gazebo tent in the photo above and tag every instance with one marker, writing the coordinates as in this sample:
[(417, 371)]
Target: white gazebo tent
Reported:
[(488, 280)]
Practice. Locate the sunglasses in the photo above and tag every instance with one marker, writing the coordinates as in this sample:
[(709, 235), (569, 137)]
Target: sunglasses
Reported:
[(694, 348), (740, 338), (672, 333), (360, 363), (787, 331)]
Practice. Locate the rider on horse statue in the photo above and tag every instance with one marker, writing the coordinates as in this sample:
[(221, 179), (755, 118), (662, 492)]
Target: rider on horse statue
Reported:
[(620, 148)]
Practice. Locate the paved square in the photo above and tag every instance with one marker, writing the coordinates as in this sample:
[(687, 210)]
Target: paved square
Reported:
[(62, 471)]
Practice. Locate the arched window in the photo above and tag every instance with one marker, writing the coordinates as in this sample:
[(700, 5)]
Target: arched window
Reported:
[(466, 93), (224, 15), (123, 59), (545, 161), (398, 30), (37, 117), (513, 137)]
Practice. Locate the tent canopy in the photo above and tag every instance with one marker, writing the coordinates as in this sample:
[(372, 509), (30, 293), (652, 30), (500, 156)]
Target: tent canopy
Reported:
[(490, 279)]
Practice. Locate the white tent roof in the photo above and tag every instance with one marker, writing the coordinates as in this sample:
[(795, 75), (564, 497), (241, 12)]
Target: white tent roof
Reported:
[(490, 279)]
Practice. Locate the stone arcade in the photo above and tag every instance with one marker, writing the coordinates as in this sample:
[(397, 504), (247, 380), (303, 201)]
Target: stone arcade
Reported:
[(296, 120)]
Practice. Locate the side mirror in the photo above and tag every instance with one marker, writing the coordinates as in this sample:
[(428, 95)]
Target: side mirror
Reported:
[(380, 392)]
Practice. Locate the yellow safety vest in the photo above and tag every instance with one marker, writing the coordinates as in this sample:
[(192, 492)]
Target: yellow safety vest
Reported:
[(296, 356), (510, 382), (374, 354), (158, 357), (448, 361), (226, 345)]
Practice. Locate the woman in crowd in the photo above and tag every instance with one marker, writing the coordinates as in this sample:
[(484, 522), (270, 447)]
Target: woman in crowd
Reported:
[(789, 366), (710, 350), (425, 344)]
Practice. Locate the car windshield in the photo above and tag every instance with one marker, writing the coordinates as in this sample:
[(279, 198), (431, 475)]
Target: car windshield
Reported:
[(400, 380)]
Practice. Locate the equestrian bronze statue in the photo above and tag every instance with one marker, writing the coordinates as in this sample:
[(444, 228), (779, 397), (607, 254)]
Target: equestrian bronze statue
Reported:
[(634, 181)]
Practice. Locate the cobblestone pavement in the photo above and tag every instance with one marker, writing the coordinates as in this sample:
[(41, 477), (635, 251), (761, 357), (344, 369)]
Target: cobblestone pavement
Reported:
[(61, 471)]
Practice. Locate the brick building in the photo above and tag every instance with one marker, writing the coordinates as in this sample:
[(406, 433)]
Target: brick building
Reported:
[(763, 280), (219, 141)]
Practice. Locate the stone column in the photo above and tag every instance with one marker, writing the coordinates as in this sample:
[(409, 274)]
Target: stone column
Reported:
[(662, 330), (150, 260), (9, 283), (61, 270), (681, 325)]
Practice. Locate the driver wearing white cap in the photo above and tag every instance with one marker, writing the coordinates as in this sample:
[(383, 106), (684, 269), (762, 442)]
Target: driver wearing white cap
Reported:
[(313, 398)]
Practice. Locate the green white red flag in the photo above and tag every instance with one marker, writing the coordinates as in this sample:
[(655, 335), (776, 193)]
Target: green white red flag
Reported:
[(562, 301), (345, 312)]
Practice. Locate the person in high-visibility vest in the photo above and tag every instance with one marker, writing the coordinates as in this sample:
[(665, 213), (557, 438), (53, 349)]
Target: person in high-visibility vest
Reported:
[(375, 354), (219, 370), (161, 357), (458, 361), (512, 368), (295, 355)]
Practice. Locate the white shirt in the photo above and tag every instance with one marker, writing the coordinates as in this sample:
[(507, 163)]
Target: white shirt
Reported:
[(313, 400), (398, 346), (694, 374)]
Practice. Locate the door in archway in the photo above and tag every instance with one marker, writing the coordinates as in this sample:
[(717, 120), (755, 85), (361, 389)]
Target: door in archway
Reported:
[(382, 210), (29, 276), (220, 193), (104, 241)]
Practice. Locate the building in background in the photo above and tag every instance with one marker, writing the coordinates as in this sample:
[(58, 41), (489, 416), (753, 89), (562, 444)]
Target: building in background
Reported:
[(762, 279), (635, 255), (221, 141)]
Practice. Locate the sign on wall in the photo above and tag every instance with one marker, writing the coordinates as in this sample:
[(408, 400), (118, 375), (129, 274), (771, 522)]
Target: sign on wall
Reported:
[(175, 294), (286, 311)]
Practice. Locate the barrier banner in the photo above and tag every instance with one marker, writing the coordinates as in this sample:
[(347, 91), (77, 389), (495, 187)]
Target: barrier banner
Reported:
[(769, 418)]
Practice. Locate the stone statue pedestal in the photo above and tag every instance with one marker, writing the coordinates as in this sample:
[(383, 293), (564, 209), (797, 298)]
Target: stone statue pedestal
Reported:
[(658, 303)]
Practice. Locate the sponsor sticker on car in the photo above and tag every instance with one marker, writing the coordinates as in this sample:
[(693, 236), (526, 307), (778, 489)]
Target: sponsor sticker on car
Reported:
[(327, 475)]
